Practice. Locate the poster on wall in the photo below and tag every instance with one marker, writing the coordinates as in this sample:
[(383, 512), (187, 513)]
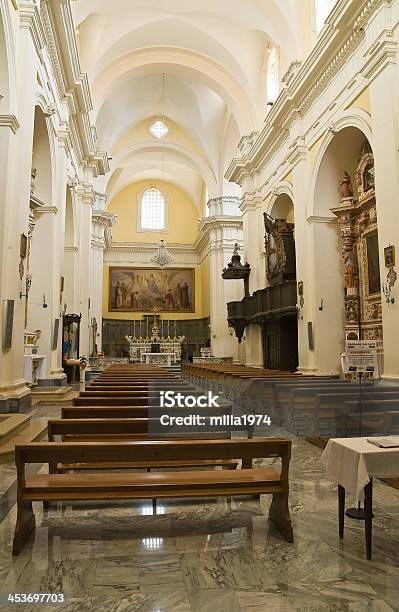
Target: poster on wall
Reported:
[(142, 289)]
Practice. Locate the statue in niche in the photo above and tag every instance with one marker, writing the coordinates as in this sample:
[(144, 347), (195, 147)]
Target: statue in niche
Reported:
[(345, 186)]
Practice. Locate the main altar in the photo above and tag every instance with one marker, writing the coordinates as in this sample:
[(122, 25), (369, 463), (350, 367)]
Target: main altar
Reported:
[(156, 349)]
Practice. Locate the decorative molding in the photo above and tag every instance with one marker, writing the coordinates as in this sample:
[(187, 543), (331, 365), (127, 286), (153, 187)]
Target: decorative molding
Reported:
[(334, 47), (52, 28), (319, 219), (47, 209), (139, 253), (291, 72), (10, 121)]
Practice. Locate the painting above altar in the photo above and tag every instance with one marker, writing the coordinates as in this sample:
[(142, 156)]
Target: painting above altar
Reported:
[(142, 289)]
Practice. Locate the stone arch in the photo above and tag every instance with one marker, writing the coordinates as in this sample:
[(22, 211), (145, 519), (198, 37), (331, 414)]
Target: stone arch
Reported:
[(359, 120), (282, 199), (338, 152)]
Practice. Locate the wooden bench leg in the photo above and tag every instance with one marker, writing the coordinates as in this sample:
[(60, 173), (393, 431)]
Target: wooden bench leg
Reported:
[(341, 510), (24, 527), (280, 515)]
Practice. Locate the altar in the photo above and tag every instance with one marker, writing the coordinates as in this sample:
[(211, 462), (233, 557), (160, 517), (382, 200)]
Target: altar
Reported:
[(159, 359), (139, 347)]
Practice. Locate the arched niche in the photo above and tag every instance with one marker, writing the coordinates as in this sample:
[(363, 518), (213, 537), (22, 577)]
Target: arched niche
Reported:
[(70, 270), (340, 154), (282, 208), (4, 70), (41, 259), (41, 159)]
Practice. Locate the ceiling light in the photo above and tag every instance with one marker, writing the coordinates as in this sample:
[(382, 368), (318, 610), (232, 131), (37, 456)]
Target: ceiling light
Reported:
[(159, 129), (162, 257)]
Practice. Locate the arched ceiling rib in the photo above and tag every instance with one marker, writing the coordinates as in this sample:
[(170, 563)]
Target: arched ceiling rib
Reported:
[(212, 53)]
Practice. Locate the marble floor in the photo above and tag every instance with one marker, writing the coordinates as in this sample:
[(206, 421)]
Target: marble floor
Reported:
[(205, 555)]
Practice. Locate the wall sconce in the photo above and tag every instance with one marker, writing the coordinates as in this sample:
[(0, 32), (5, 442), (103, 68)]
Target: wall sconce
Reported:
[(387, 291), (44, 301), (321, 304)]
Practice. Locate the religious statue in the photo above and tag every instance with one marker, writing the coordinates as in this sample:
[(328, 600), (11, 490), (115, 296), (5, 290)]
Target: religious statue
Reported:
[(350, 273), (32, 182), (345, 186)]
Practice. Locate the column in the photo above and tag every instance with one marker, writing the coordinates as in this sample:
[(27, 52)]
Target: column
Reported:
[(102, 222), (85, 198), (16, 158), (223, 228), (384, 92), (253, 229)]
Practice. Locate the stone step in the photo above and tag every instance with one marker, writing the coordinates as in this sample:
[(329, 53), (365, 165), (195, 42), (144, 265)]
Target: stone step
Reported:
[(34, 431), (12, 423), (53, 394)]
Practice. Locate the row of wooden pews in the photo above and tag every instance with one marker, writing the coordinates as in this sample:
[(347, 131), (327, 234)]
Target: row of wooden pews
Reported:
[(110, 427), (309, 406)]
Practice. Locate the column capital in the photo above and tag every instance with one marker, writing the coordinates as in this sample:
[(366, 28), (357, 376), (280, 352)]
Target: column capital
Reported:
[(86, 193)]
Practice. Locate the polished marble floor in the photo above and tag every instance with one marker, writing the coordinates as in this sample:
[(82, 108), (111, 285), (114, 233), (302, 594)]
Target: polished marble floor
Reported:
[(205, 556)]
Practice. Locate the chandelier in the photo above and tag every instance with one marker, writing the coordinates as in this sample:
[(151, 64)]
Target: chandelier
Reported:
[(162, 257)]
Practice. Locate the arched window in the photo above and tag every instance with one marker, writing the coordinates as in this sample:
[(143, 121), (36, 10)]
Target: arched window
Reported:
[(152, 210), (273, 81), (323, 9)]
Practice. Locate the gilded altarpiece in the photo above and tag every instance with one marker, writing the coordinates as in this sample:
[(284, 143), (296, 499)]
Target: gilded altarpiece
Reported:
[(357, 219)]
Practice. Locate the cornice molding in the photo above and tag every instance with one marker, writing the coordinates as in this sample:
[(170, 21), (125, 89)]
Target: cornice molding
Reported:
[(10, 121), (47, 210), (381, 53), (341, 36), (319, 219), (55, 26), (29, 17)]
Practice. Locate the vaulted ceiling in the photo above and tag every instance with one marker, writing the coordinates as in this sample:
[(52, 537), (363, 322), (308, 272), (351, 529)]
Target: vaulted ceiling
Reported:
[(213, 55)]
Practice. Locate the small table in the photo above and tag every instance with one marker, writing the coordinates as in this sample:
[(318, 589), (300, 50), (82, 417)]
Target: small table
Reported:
[(353, 463), (158, 358)]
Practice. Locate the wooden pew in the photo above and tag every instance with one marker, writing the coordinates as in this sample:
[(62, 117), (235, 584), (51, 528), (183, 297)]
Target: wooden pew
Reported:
[(120, 412), (323, 414), (113, 486), (105, 430)]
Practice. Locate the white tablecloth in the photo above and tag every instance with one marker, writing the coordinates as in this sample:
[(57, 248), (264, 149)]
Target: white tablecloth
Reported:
[(351, 462)]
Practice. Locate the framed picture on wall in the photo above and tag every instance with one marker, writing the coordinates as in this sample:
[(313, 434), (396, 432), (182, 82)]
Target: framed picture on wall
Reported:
[(389, 256), (373, 264), (142, 289)]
